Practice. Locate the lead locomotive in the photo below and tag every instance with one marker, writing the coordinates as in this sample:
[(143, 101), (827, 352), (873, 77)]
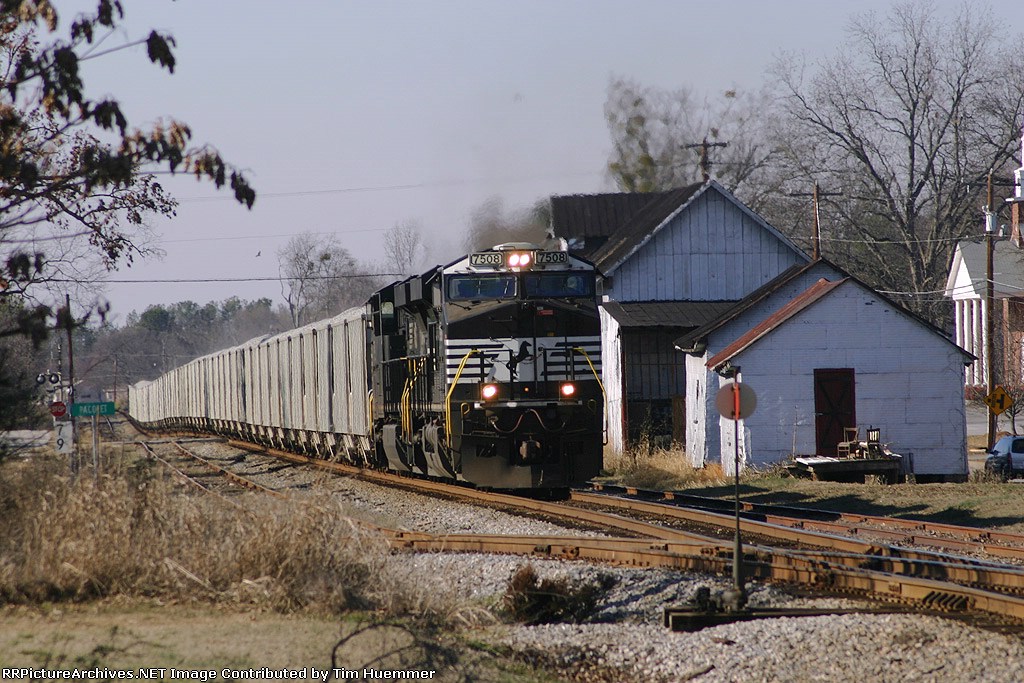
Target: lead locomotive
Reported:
[(488, 370), (485, 371)]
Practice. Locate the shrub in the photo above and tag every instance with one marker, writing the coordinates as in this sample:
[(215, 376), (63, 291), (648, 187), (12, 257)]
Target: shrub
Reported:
[(139, 535), (531, 600)]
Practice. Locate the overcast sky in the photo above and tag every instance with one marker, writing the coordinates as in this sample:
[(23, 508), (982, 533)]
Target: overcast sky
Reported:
[(351, 116)]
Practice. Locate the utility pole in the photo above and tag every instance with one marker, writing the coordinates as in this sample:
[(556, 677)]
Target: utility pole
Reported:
[(71, 379), (71, 354), (816, 195), (705, 162), (990, 226)]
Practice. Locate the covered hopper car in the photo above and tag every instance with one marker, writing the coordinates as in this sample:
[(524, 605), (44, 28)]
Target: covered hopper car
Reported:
[(485, 371)]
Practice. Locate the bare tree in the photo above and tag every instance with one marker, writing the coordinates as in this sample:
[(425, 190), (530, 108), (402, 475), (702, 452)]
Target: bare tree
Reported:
[(77, 181), (320, 278), (659, 137), (404, 248), (906, 121)]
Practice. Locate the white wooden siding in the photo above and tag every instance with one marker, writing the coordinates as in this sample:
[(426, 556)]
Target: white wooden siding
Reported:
[(611, 377), (909, 382), (712, 251), (703, 441), (699, 451)]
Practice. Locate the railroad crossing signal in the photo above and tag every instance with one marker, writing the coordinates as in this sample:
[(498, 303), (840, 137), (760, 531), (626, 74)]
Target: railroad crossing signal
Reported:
[(998, 400)]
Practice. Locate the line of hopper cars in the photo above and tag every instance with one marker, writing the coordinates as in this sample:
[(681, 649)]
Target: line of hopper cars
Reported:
[(485, 371)]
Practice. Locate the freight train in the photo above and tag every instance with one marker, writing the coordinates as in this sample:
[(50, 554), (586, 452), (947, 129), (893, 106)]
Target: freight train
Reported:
[(485, 371)]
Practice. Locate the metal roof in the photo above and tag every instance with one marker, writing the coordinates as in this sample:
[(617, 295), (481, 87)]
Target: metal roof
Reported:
[(815, 292), (681, 314), (588, 222), (642, 226), (608, 228), (1007, 267), (778, 282)]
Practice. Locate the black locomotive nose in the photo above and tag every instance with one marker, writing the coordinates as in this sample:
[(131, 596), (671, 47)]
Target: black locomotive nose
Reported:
[(529, 450)]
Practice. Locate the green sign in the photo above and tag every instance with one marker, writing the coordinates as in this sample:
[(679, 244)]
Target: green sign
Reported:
[(90, 409)]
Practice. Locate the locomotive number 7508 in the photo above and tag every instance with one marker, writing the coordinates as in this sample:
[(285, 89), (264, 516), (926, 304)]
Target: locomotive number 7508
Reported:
[(547, 257)]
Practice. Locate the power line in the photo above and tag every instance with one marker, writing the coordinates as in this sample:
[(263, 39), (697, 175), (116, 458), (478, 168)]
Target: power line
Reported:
[(283, 234), (974, 281), (310, 193), (896, 241), (234, 279), (391, 188)]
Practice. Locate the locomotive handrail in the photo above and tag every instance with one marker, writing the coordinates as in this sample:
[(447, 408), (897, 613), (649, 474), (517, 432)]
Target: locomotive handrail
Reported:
[(401, 402), (405, 405), (600, 384), (604, 396), (369, 412), (448, 396)]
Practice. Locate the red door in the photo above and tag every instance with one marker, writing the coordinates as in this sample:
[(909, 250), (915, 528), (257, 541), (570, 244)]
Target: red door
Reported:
[(834, 407)]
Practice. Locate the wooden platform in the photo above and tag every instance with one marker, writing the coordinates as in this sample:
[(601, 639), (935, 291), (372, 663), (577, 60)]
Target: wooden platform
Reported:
[(824, 468)]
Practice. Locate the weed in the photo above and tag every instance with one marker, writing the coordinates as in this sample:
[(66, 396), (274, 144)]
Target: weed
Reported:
[(531, 600), (985, 477), (135, 534), (645, 467)]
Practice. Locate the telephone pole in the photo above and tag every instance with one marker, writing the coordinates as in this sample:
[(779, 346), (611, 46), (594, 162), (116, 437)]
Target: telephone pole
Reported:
[(71, 353), (816, 196), (705, 162), (990, 380)]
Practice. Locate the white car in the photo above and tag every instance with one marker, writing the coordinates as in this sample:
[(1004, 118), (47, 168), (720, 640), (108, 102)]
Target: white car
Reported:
[(1006, 457)]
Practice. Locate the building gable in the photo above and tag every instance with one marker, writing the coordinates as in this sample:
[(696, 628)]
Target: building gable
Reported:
[(586, 222), (763, 301), (818, 295), (710, 248), (967, 273)]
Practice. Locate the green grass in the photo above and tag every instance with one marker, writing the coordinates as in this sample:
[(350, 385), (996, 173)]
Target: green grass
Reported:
[(983, 501)]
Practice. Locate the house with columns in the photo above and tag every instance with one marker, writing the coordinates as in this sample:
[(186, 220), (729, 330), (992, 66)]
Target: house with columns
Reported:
[(966, 286)]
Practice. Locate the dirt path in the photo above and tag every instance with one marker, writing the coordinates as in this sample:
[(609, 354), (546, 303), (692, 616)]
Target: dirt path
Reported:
[(140, 637)]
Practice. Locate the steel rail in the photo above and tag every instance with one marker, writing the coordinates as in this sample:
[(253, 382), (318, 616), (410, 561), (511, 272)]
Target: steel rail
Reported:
[(231, 476), (840, 550), (783, 532), (592, 517), (885, 576), (837, 550), (809, 569), (1006, 544), (189, 479), (180, 474)]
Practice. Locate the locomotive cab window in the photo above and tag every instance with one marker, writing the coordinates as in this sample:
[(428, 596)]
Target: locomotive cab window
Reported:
[(559, 284), (478, 287)]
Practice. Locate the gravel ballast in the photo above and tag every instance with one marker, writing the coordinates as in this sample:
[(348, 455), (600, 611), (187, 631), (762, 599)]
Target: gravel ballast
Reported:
[(623, 638)]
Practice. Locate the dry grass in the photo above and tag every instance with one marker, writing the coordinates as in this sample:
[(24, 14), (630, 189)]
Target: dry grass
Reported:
[(645, 467), (135, 534), (531, 600)]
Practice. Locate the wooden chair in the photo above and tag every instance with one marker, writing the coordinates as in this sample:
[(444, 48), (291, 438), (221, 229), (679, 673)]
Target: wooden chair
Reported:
[(850, 442)]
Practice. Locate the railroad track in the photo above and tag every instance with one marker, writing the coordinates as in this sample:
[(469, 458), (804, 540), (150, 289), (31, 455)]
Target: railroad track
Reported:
[(199, 472), (963, 540), (923, 580)]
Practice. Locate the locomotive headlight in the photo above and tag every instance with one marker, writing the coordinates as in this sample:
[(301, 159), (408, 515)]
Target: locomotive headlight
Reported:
[(488, 391), (520, 259), (567, 390)]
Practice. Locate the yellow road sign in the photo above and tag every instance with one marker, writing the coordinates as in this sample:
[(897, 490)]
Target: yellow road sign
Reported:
[(998, 400)]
